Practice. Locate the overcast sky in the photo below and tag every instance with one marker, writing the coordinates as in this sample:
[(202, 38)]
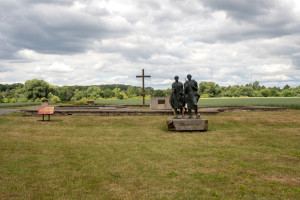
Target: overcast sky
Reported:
[(91, 42)]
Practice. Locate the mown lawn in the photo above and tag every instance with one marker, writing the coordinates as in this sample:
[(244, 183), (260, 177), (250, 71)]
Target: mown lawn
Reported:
[(122, 102), (287, 102), (244, 155), (19, 105)]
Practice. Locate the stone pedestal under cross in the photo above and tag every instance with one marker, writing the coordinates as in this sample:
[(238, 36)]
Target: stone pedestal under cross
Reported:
[(143, 77)]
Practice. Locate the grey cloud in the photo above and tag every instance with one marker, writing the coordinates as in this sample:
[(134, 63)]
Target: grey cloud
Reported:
[(4, 68), (60, 2), (133, 54), (255, 19), (145, 4), (296, 61), (7, 50), (56, 29), (242, 9)]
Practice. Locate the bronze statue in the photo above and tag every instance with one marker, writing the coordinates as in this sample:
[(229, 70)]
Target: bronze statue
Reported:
[(177, 98), (191, 95)]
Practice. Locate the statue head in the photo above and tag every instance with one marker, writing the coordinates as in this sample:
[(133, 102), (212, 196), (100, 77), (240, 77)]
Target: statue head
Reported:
[(176, 78), (189, 77)]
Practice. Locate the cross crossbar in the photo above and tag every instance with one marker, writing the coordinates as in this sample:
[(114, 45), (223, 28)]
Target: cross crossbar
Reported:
[(143, 76)]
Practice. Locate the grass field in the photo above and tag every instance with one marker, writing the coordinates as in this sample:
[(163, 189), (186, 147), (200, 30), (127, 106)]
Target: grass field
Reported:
[(18, 105), (244, 155), (287, 102), (122, 102)]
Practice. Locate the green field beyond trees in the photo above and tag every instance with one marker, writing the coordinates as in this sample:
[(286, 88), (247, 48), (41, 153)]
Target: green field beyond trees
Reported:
[(37, 90), (286, 102), (243, 155)]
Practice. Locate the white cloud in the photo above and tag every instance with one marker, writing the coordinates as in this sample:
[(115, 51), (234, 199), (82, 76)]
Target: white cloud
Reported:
[(59, 68), (28, 54)]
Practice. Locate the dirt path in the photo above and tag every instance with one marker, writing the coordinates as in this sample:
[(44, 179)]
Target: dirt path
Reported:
[(4, 111)]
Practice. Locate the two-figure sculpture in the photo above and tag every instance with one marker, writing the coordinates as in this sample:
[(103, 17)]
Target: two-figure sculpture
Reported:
[(185, 94)]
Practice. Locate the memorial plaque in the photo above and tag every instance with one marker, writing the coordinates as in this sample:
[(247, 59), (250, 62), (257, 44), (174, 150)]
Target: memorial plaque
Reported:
[(46, 110), (161, 101)]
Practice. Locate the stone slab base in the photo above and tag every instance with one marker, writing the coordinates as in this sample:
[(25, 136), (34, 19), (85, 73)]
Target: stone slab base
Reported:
[(200, 124)]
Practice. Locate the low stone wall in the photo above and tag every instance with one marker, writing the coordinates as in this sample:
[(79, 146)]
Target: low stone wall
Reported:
[(101, 112), (127, 111)]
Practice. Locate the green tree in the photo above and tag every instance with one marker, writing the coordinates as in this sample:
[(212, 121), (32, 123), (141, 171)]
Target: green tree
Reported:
[(18, 92), (286, 87), (93, 92), (297, 91), (287, 93), (210, 88), (36, 89), (265, 92), (1, 98), (234, 91), (124, 95), (108, 93), (7, 93), (138, 91), (274, 93), (149, 91), (38, 100), (22, 99), (130, 91), (246, 91), (116, 92), (120, 96), (168, 92), (55, 99), (13, 100), (79, 94), (65, 93), (50, 95), (159, 93), (256, 86)]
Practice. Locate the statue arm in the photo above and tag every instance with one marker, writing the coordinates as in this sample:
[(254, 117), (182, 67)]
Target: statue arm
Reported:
[(195, 85), (173, 88)]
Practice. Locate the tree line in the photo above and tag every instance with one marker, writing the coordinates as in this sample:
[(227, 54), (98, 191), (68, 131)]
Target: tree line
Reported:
[(38, 90)]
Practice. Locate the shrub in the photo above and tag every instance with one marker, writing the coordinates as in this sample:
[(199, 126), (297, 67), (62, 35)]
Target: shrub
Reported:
[(81, 102), (5, 100), (120, 96), (37, 100), (204, 96), (22, 100), (159, 93), (13, 100), (287, 93), (55, 99), (124, 95), (265, 92)]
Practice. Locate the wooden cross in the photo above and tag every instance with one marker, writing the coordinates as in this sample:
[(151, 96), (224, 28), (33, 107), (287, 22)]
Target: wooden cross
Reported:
[(143, 77)]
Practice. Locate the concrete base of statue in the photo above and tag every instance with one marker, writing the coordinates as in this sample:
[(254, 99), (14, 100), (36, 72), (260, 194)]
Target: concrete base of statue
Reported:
[(186, 124)]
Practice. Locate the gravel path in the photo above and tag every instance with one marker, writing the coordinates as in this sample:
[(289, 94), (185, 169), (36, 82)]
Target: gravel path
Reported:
[(4, 111)]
